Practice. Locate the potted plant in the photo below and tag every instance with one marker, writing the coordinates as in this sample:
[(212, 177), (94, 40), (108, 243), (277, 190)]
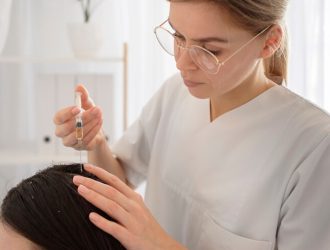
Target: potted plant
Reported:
[(86, 37)]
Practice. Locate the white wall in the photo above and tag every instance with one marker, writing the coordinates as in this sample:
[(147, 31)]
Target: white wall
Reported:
[(39, 29)]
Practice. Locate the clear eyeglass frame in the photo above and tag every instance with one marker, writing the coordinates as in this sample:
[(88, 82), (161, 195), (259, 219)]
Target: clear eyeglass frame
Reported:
[(202, 57)]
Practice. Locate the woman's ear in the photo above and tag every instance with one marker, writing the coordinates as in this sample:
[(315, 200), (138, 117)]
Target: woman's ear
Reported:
[(273, 41)]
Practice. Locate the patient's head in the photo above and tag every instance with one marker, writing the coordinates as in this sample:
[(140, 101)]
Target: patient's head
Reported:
[(46, 212)]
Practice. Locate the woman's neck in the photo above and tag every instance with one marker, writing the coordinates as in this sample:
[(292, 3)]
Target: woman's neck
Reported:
[(246, 91)]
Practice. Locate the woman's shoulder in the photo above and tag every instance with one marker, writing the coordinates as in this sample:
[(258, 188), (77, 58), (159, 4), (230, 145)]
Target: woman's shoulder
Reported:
[(304, 105), (304, 113)]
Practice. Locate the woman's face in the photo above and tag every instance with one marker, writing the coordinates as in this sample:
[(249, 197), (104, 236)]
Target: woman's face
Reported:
[(194, 21), (10, 240)]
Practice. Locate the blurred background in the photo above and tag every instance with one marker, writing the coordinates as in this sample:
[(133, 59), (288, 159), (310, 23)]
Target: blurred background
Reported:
[(48, 46)]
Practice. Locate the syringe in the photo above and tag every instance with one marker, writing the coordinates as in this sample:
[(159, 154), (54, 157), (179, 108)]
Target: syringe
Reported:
[(79, 123)]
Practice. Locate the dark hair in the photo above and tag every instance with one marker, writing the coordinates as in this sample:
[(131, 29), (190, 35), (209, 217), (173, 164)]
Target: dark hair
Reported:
[(47, 210)]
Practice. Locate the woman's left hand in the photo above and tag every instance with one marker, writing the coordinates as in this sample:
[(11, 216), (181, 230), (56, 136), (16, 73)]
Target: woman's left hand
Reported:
[(135, 228)]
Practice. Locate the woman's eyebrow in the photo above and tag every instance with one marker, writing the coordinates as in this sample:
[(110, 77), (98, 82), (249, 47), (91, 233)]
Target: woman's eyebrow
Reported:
[(204, 39)]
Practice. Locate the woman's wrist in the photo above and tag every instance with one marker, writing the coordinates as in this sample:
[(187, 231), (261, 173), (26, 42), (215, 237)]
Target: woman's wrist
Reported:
[(101, 142), (173, 245), (99, 150), (177, 246)]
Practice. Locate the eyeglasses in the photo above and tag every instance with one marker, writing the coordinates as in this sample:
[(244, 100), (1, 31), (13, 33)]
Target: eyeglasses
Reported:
[(202, 57)]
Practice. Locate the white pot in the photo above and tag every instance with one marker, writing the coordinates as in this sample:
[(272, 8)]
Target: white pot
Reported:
[(86, 39), (5, 9)]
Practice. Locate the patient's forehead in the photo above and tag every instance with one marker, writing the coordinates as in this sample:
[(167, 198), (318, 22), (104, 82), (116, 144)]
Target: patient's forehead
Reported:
[(10, 240)]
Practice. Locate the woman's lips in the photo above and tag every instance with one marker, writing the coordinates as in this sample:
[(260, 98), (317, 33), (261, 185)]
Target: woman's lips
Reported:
[(191, 84)]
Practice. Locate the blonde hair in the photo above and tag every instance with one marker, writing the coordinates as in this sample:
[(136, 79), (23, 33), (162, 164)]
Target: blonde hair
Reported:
[(256, 15)]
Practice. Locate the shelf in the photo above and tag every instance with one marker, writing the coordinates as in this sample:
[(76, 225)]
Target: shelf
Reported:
[(59, 60)]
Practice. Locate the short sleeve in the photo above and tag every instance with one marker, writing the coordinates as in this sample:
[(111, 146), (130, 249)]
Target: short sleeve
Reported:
[(132, 150), (305, 213), (135, 146)]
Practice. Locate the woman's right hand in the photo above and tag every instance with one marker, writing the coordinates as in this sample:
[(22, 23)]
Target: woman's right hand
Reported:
[(64, 120)]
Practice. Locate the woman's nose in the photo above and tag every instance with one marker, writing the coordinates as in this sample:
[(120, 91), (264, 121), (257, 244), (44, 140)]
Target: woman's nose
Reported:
[(184, 61)]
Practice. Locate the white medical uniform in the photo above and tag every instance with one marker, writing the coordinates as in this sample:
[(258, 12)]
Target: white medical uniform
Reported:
[(257, 177)]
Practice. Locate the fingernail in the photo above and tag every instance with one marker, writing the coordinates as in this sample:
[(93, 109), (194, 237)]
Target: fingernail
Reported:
[(77, 179), (93, 217), (82, 189), (75, 111), (88, 167)]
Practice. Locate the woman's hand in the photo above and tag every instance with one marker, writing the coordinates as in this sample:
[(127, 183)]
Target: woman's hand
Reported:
[(64, 120), (135, 228)]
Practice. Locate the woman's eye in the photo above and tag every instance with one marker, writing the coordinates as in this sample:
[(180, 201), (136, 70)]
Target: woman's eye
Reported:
[(179, 39), (177, 35), (215, 52)]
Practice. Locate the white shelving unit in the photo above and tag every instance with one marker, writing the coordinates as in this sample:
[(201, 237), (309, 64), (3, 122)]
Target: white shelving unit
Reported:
[(56, 77)]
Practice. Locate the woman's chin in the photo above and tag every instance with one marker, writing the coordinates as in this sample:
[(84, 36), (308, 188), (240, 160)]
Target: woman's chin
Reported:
[(199, 93)]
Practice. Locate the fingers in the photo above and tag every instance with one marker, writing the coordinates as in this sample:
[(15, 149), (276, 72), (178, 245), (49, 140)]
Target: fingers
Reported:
[(90, 118), (104, 190), (70, 140), (112, 228), (112, 180), (89, 136), (110, 207), (68, 113), (90, 131), (86, 101), (133, 224), (65, 115)]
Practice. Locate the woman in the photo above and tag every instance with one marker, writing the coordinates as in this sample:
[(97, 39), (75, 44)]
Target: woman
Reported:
[(232, 159), (46, 212)]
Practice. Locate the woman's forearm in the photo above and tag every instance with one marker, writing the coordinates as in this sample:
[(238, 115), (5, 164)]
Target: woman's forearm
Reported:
[(102, 156)]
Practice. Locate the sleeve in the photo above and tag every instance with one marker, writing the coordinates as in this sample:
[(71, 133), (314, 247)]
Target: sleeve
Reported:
[(305, 212), (134, 148), (133, 151)]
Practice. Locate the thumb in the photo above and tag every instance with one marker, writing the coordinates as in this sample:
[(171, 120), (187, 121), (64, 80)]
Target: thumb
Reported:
[(86, 100)]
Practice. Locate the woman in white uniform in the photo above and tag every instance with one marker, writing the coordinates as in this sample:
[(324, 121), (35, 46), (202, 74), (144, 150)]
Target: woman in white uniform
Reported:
[(233, 159)]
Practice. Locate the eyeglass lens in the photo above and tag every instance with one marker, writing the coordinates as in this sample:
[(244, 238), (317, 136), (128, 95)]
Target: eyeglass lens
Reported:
[(173, 46)]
